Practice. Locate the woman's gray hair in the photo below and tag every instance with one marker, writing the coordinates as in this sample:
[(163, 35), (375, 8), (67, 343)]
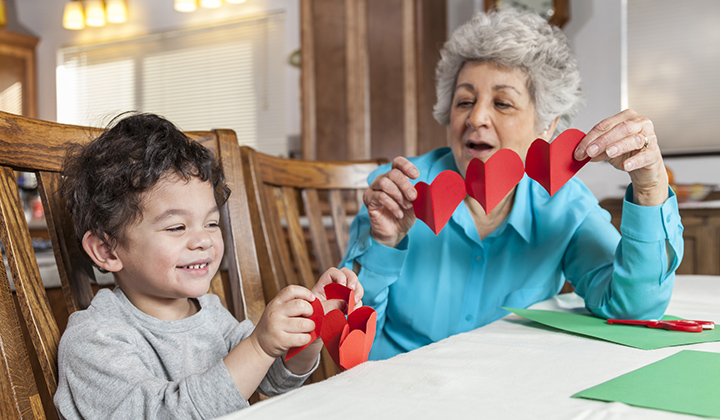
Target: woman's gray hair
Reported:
[(515, 40)]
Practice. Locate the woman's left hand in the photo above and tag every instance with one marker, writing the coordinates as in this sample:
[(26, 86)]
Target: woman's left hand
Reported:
[(628, 141)]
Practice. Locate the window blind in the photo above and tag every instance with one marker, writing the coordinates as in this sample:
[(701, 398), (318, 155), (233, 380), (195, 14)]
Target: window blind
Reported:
[(673, 53), (225, 76)]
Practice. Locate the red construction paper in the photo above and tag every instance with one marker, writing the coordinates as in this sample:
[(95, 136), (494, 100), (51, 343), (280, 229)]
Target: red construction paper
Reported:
[(317, 316), (338, 291), (489, 182), (436, 203), (552, 164)]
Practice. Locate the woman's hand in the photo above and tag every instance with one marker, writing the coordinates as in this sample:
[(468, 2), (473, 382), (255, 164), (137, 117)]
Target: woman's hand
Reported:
[(628, 141), (343, 276), (389, 203)]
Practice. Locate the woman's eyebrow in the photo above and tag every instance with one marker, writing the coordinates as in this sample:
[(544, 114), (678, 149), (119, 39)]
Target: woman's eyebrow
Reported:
[(495, 88)]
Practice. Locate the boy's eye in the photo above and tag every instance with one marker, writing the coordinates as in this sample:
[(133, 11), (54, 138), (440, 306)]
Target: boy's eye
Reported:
[(213, 225), (178, 228)]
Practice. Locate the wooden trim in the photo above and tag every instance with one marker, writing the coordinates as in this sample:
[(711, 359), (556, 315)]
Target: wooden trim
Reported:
[(308, 127), (410, 74), (358, 91)]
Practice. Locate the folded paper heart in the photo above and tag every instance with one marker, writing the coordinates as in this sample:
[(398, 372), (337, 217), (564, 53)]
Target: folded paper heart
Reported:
[(435, 203), (348, 341), (317, 316), (489, 182), (552, 164)]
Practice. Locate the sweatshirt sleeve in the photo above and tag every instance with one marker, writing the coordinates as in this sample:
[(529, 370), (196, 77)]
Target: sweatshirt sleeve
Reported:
[(639, 281)]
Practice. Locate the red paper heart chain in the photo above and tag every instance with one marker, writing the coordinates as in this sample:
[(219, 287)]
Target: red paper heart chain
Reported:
[(552, 165), (348, 340)]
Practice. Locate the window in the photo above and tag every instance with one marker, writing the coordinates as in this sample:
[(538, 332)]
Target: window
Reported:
[(224, 76), (672, 61)]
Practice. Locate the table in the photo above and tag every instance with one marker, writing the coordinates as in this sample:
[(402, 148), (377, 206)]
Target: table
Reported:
[(510, 369)]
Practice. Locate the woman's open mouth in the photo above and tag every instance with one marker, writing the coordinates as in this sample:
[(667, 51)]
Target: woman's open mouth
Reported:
[(478, 148)]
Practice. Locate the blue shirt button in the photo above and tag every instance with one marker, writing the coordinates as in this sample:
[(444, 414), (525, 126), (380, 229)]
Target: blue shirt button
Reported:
[(478, 258), (668, 218), (468, 317)]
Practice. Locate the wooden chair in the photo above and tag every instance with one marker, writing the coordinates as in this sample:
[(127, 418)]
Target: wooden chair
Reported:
[(300, 212), (39, 146)]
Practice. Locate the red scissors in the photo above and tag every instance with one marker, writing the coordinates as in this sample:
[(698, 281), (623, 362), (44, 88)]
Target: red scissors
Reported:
[(674, 325)]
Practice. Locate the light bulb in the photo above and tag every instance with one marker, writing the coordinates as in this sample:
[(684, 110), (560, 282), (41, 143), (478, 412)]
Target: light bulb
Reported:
[(116, 11), (73, 17), (235, 1), (94, 13), (185, 5), (210, 4)]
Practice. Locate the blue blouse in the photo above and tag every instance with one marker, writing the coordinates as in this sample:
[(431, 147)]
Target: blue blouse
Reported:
[(430, 287)]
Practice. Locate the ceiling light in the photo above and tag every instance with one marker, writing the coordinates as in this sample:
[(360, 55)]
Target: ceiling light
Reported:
[(116, 11), (185, 5), (74, 17), (94, 13), (210, 4)]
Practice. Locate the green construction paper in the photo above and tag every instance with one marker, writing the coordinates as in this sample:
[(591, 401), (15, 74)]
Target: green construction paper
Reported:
[(687, 382), (640, 337)]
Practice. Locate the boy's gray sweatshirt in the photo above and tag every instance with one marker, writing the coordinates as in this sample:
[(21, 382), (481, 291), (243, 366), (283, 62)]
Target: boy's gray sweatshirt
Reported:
[(116, 362)]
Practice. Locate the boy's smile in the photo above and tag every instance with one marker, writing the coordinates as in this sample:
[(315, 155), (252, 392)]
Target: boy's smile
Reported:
[(174, 250)]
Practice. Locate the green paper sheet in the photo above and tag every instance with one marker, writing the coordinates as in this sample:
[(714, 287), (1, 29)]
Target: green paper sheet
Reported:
[(640, 337), (687, 382)]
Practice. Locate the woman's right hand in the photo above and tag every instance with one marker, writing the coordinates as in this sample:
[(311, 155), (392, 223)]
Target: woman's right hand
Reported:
[(389, 203)]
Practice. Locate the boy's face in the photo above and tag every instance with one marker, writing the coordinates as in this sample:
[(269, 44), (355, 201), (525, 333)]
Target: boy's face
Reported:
[(175, 249)]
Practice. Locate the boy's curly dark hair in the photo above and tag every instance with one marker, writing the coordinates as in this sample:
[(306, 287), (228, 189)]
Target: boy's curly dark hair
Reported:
[(104, 179)]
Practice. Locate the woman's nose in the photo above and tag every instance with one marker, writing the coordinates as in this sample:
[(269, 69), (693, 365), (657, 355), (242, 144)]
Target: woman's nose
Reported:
[(478, 116)]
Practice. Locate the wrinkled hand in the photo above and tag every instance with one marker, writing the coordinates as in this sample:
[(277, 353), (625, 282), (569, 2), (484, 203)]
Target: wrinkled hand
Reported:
[(620, 140), (284, 323), (343, 276), (389, 202)]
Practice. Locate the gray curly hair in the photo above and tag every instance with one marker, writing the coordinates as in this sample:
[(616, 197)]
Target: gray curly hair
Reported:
[(515, 40)]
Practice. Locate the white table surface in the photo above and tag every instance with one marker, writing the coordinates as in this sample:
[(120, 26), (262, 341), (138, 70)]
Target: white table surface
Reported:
[(510, 369)]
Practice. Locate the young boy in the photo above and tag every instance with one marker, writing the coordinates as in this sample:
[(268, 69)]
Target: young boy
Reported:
[(145, 203)]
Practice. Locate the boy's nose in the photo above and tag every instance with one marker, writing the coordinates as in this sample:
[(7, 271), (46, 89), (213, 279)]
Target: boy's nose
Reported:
[(201, 240)]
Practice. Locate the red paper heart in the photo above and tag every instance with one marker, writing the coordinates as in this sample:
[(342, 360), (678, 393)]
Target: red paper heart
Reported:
[(348, 341), (436, 203), (317, 316), (338, 291), (552, 164), (489, 182)]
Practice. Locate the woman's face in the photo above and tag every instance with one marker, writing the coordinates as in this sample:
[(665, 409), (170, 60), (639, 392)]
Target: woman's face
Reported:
[(491, 110)]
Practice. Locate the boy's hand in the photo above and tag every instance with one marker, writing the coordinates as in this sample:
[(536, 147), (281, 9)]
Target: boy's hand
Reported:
[(343, 276), (284, 323)]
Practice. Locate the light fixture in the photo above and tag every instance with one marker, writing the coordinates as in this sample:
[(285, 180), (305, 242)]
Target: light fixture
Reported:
[(185, 5), (116, 11), (210, 4), (74, 17), (94, 13), (235, 1)]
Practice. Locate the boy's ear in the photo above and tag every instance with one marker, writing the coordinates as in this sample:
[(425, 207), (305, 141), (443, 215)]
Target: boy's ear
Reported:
[(101, 253)]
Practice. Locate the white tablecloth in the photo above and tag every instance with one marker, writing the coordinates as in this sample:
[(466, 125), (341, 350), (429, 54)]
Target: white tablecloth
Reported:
[(510, 369)]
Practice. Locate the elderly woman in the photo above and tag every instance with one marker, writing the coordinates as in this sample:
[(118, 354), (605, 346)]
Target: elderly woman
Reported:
[(505, 79)]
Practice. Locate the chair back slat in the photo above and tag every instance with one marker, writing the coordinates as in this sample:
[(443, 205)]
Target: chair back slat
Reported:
[(35, 308), (318, 232), (19, 397), (68, 255), (296, 237), (340, 220)]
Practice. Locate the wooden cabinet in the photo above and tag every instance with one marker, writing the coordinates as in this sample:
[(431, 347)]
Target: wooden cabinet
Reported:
[(17, 73), (701, 235)]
